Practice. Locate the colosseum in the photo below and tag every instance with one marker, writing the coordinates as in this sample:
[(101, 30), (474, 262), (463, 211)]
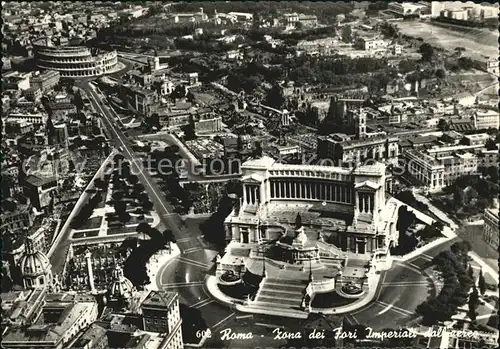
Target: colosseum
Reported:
[(73, 61)]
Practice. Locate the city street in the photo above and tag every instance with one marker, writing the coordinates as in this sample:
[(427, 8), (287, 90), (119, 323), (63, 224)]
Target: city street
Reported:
[(162, 207), (402, 289)]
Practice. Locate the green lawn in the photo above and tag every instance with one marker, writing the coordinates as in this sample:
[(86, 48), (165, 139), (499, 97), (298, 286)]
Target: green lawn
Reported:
[(120, 230), (91, 223)]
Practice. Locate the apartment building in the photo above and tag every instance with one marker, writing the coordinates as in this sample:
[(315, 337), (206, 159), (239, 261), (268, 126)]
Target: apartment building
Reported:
[(484, 119), (425, 168), (373, 44), (440, 166), (33, 118), (45, 80), (355, 151)]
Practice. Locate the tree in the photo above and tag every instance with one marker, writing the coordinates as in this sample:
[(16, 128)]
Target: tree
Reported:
[(180, 91), (174, 149), (132, 179), (347, 34), (440, 73), (474, 296), (99, 183), (118, 195), (473, 302), (470, 272), (234, 187), (6, 279), (169, 236), (376, 6), (406, 66), (154, 121), (490, 144), (443, 125), (143, 228), (275, 97), (213, 228), (389, 30), (190, 129), (427, 52), (472, 311), (492, 172), (465, 63), (482, 282), (258, 150)]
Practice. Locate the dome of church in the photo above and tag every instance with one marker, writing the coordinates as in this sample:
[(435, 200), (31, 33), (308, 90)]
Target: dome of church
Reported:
[(35, 266), (121, 287)]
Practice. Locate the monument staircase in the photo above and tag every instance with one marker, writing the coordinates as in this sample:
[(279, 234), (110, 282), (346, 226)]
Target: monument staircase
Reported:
[(330, 255), (281, 293)]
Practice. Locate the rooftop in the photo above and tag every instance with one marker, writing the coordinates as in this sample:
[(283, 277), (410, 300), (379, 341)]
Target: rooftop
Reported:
[(159, 299), (95, 334), (11, 296), (365, 141), (453, 134), (52, 332), (39, 181), (492, 211), (480, 136), (423, 139)]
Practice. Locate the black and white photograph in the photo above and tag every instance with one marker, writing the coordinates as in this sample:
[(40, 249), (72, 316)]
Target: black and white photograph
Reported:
[(250, 175)]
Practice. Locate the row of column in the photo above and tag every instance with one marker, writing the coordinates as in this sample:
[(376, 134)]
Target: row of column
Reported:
[(310, 190), (366, 202), (436, 182), (251, 194), (376, 154), (87, 66), (364, 244)]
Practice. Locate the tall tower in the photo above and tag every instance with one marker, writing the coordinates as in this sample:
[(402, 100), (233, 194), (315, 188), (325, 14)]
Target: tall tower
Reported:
[(50, 131), (337, 109), (360, 124)]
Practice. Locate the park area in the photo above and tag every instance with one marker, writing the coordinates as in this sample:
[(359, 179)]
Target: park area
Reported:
[(117, 204), (477, 42)]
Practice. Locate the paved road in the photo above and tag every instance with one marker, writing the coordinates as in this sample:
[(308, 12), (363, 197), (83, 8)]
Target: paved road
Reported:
[(403, 288), (442, 215), (162, 207), (186, 274)]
